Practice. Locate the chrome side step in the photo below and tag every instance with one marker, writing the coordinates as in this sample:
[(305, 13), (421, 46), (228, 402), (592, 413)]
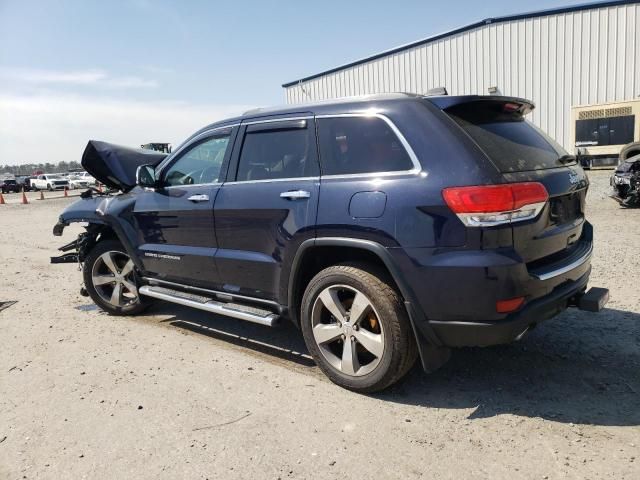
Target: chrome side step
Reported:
[(208, 304)]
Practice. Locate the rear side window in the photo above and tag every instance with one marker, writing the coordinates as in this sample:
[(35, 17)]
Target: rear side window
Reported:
[(511, 143), (274, 153), (351, 145)]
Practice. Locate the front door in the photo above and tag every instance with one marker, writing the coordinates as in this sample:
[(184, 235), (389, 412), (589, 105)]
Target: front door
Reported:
[(175, 223), (269, 207)]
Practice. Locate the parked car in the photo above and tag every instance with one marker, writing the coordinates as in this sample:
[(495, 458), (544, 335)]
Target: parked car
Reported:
[(50, 182), (387, 228), (626, 182), (9, 185), (27, 184), (87, 177), (21, 181), (76, 181)]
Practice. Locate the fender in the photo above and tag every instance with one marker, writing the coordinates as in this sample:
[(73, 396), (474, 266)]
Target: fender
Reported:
[(101, 210), (432, 354)]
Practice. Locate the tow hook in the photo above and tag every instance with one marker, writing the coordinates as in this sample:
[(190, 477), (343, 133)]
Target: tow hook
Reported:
[(592, 301)]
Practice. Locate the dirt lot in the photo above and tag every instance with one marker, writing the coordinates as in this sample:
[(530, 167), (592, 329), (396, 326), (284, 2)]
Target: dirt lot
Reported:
[(181, 394)]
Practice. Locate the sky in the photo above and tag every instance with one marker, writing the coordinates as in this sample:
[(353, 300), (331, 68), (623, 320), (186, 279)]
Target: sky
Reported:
[(139, 71)]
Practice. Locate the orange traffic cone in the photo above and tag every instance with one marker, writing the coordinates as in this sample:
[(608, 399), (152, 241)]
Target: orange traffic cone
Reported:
[(1, 199), (24, 198), (41, 195)]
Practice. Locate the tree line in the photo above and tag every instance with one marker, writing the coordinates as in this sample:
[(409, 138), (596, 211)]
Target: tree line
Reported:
[(31, 168)]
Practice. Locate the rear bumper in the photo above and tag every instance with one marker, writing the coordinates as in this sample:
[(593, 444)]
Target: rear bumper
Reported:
[(455, 292), (482, 334)]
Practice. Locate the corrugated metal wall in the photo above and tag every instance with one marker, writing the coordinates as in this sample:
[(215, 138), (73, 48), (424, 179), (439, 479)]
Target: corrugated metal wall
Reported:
[(560, 60)]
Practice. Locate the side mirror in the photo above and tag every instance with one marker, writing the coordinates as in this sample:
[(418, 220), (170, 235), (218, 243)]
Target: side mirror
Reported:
[(146, 176)]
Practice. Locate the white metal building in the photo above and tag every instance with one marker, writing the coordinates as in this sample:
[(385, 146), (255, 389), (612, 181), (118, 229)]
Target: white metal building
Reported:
[(585, 54)]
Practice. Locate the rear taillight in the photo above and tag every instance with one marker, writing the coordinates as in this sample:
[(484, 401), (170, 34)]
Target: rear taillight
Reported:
[(488, 205)]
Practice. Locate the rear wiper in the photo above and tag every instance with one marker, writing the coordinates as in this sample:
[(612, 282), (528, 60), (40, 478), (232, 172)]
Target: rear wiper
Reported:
[(567, 159)]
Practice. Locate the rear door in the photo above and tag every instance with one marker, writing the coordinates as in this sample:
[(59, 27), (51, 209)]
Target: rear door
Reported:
[(523, 153), (175, 223), (268, 206)]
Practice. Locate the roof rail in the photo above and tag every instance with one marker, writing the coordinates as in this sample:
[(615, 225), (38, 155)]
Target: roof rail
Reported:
[(251, 111), (436, 91)]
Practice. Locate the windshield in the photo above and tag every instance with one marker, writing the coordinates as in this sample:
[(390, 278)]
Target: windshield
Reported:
[(511, 143)]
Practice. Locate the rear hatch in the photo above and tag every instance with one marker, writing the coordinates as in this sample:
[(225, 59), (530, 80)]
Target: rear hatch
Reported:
[(523, 153)]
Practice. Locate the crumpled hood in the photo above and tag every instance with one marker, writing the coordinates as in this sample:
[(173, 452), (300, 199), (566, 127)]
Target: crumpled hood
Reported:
[(116, 165), (630, 165)]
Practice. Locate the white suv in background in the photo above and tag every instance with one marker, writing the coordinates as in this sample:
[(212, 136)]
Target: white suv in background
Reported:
[(50, 182)]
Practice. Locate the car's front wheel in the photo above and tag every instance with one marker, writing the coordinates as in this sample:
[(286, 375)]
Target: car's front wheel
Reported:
[(111, 279), (356, 327)]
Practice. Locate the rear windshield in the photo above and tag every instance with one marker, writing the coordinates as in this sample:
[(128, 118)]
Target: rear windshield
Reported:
[(512, 143)]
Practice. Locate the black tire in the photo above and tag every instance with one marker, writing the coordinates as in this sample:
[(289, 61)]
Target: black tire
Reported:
[(49, 187), (400, 350), (92, 261)]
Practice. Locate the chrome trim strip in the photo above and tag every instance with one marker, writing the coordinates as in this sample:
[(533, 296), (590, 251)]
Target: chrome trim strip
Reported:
[(399, 173), (212, 306), (270, 180), (567, 268), (412, 155), (272, 120), (168, 187), (212, 292)]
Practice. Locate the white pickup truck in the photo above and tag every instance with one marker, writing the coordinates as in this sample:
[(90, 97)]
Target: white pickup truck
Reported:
[(50, 182)]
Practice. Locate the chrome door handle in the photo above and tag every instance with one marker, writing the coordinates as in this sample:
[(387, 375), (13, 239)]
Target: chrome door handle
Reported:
[(295, 194), (198, 198)]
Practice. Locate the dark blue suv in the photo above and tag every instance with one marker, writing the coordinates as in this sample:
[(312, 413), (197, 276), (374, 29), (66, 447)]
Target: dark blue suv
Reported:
[(386, 227)]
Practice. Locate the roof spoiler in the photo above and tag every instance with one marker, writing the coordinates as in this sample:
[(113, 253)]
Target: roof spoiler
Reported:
[(520, 105)]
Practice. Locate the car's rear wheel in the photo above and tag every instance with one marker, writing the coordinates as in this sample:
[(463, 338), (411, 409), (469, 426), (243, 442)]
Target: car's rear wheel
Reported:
[(111, 279), (356, 328)]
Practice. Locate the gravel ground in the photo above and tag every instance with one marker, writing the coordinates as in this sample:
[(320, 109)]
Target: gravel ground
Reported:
[(178, 393)]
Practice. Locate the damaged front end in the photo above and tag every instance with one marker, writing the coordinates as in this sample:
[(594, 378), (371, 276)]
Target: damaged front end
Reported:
[(114, 166), (78, 249), (86, 211), (626, 183)]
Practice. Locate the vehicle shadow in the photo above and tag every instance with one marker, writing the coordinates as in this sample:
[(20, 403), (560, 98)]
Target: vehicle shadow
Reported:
[(581, 368), (283, 342)]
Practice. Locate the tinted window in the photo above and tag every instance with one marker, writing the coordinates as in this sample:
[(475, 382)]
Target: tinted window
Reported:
[(512, 143), (360, 145), (271, 154), (200, 164)]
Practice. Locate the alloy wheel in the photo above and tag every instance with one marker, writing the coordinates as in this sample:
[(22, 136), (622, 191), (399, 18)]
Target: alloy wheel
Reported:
[(347, 330), (113, 277)]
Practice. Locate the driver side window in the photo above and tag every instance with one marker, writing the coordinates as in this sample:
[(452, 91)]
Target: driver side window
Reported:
[(200, 164)]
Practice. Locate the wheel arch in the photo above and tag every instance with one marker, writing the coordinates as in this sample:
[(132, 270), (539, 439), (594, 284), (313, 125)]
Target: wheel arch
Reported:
[(99, 228), (431, 354)]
